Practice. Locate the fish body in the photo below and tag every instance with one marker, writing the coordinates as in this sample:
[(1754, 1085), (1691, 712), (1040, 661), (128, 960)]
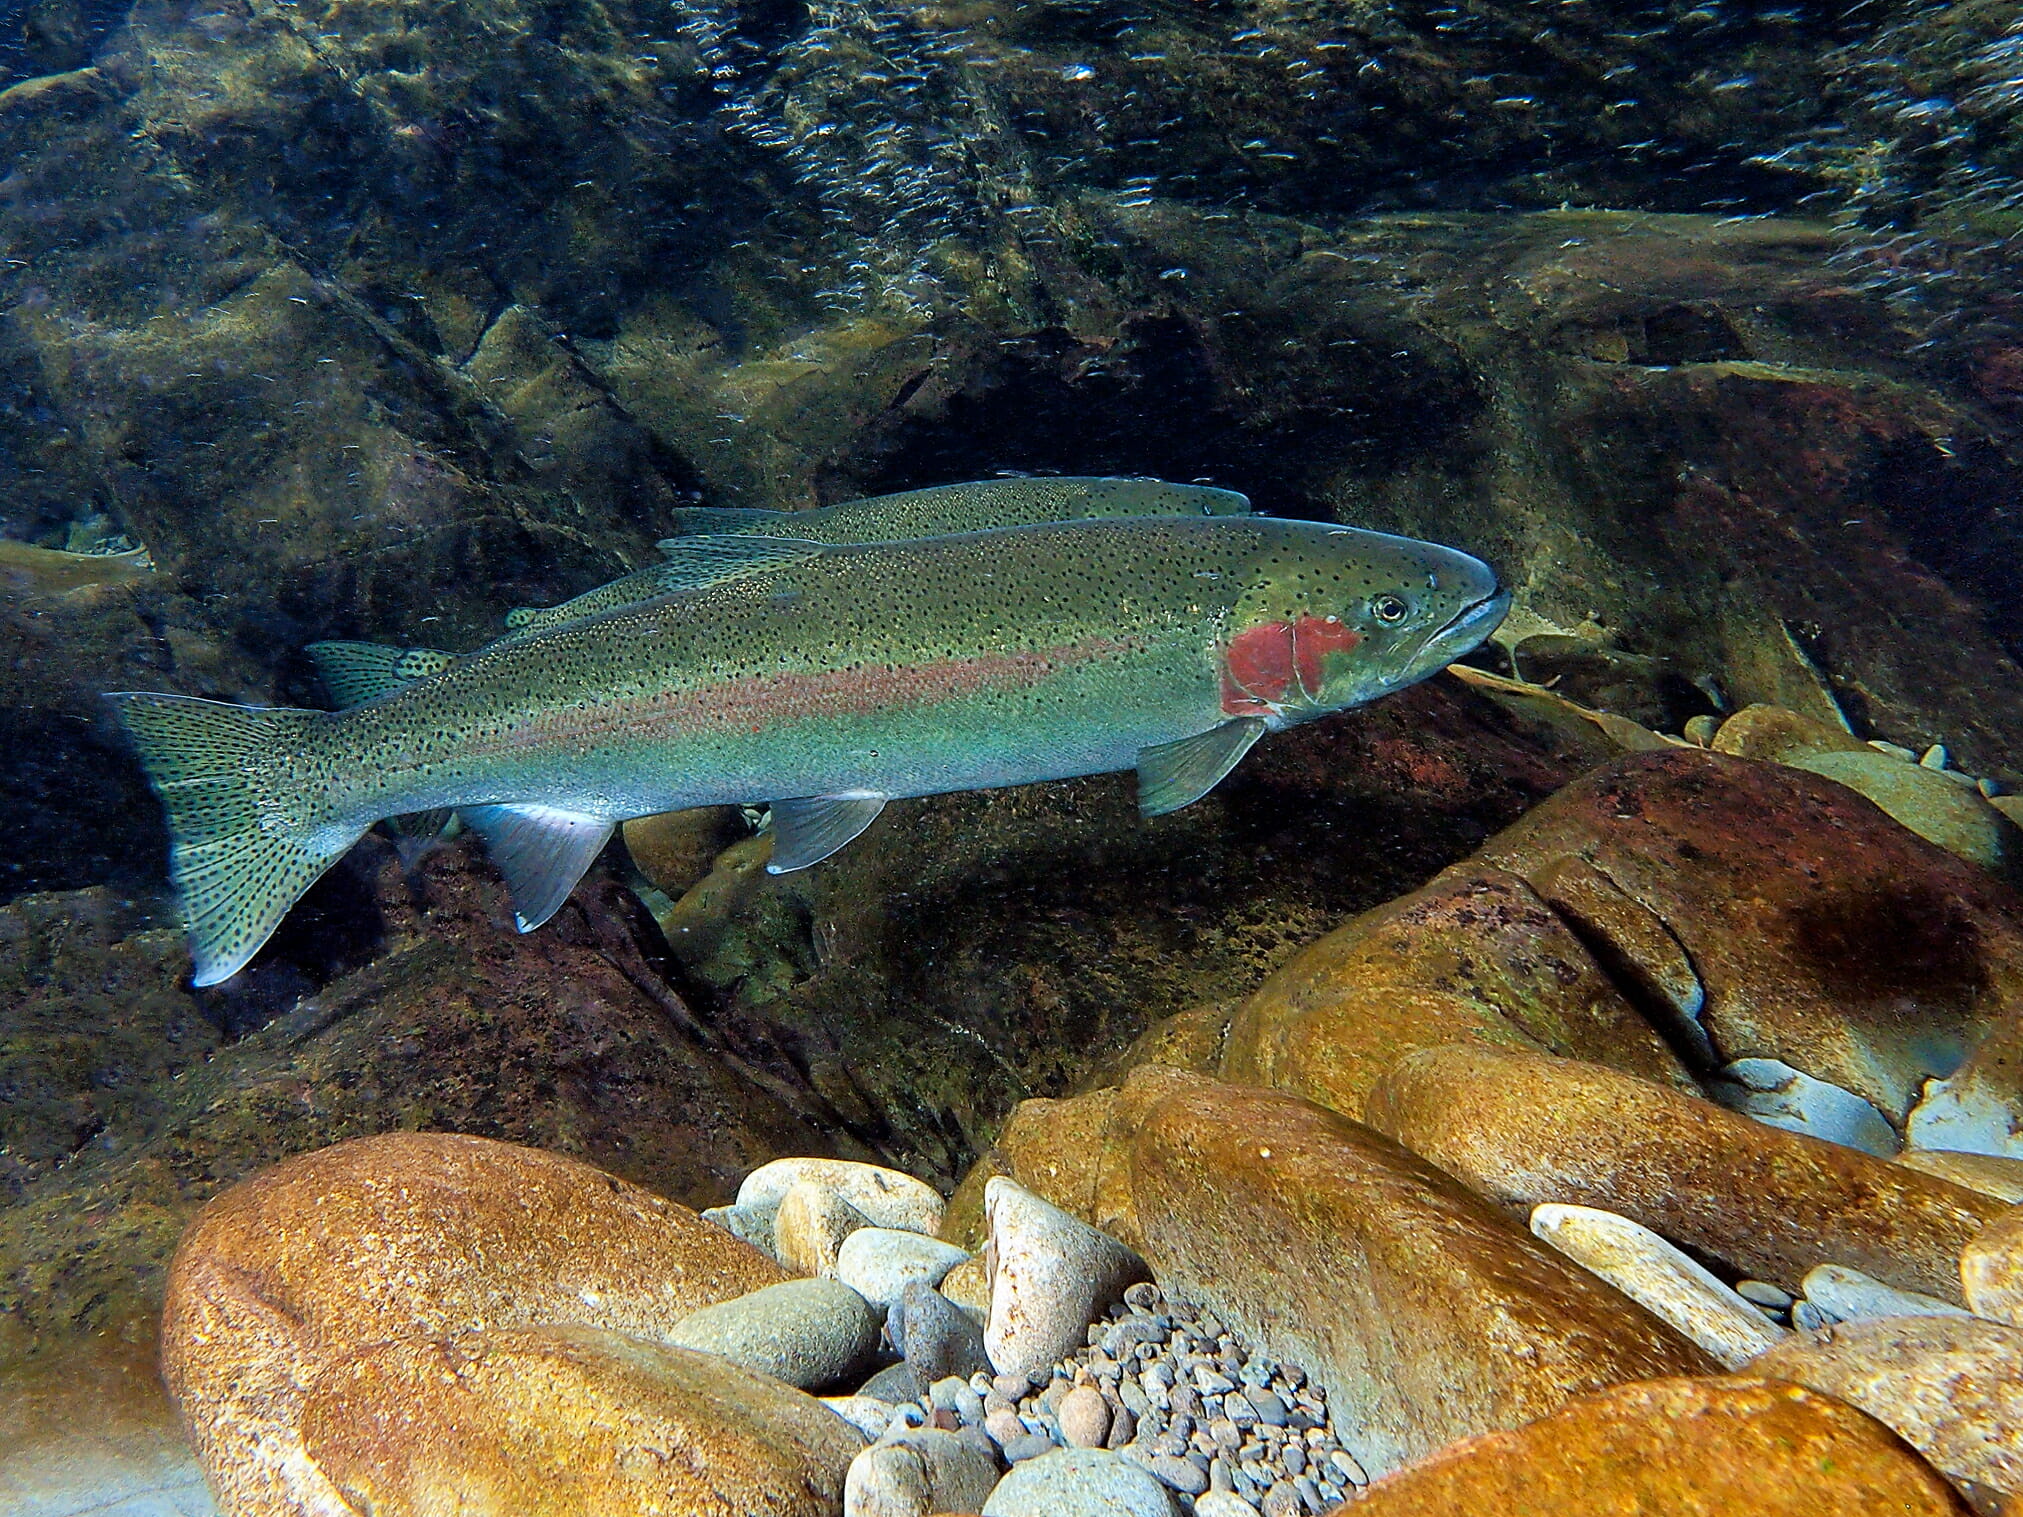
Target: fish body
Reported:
[(834, 679), (694, 558)]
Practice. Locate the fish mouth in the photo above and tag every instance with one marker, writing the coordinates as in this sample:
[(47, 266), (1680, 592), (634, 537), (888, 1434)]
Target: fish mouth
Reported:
[(1466, 631)]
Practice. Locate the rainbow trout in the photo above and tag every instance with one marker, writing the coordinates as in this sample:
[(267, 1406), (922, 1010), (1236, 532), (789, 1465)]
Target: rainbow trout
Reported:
[(828, 680)]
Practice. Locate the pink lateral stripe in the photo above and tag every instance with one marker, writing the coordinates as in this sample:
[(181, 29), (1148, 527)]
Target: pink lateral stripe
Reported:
[(753, 702)]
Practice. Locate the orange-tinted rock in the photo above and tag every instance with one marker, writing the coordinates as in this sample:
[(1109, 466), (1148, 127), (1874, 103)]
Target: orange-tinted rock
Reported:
[(408, 1234), (1991, 1268), (1476, 956), (1737, 1447), (675, 849), (1823, 934), (570, 1422), (1951, 1387), (1990, 1174), (1427, 1314), (1522, 1128), (1075, 1154)]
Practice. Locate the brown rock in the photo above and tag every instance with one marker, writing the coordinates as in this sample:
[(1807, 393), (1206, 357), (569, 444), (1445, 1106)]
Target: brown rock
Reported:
[(1778, 736), (1426, 1314), (810, 1226), (408, 1234), (1990, 1174), (1476, 956), (1735, 1447), (1951, 1387), (1522, 1128), (1068, 1152), (962, 1221), (676, 849), (573, 1422), (1991, 1268), (1822, 933)]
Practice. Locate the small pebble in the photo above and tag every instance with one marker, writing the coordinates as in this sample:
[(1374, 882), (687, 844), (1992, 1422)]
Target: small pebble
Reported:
[(1084, 1418), (1808, 1318), (1182, 1475), (1078, 1483), (1763, 1293), (1028, 1446), (1222, 1504)]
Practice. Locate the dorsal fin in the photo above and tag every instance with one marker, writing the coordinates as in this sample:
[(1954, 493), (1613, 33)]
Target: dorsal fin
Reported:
[(693, 563), (354, 673), (712, 521)]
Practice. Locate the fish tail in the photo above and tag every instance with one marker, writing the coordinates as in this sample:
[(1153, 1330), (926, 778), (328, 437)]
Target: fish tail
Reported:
[(245, 840)]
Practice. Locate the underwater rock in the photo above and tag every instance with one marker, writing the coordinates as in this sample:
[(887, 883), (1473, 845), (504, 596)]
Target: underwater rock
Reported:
[(401, 1236), (811, 1334), (881, 1262), (676, 849), (1825, 935), (1662, 1279), (1778, 736), (1523, 1128), (95, 1020), (1955, 817), (1426, 1314), (1990, 1174), (810, 1224), (918, 1472), (1847, 1295), (1051, 1274), (1069, 1152), (570, 1420), (1078, 1482), (1731, 1445), (1773, 1092), (1474, 956), (1991, 1269), (1951, 1387), (884, 1197)]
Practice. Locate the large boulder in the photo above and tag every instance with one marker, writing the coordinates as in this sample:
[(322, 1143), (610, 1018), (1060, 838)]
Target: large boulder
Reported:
[(404, 1236), (1688, 1448), (570, 1421), (1476, 956), (1426, 1314), (1523, 1128)]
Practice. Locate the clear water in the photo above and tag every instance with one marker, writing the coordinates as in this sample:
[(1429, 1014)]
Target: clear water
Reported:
[(372, 320)]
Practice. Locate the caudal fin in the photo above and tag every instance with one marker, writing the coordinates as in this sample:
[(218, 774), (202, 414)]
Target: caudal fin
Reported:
[(244, 849)]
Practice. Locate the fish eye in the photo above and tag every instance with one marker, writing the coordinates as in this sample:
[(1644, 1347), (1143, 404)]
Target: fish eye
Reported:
[(1388, 608)]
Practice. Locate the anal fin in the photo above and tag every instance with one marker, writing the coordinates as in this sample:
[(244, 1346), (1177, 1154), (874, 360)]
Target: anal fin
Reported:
[(1176, 774), (807, 830), (541, 850)]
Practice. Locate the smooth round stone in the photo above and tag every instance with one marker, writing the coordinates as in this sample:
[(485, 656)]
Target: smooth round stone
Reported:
[(1084, 1417), (1222, 1504), (1078, 1483), (810, 1227), (1051, 1276), (1028, 1446), (880, 1262), (921, 1471), (1181, 1474), (891, 1385), (1939, 811), (1765, 1294), (887, 1197), (809, 1333)]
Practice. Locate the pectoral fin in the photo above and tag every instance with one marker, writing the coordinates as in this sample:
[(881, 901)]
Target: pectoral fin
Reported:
[(541, 850), (808, 830), (1172, 775), (357, 672)]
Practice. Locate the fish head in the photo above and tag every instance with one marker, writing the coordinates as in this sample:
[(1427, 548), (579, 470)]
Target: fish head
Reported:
[(1334, 617)]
